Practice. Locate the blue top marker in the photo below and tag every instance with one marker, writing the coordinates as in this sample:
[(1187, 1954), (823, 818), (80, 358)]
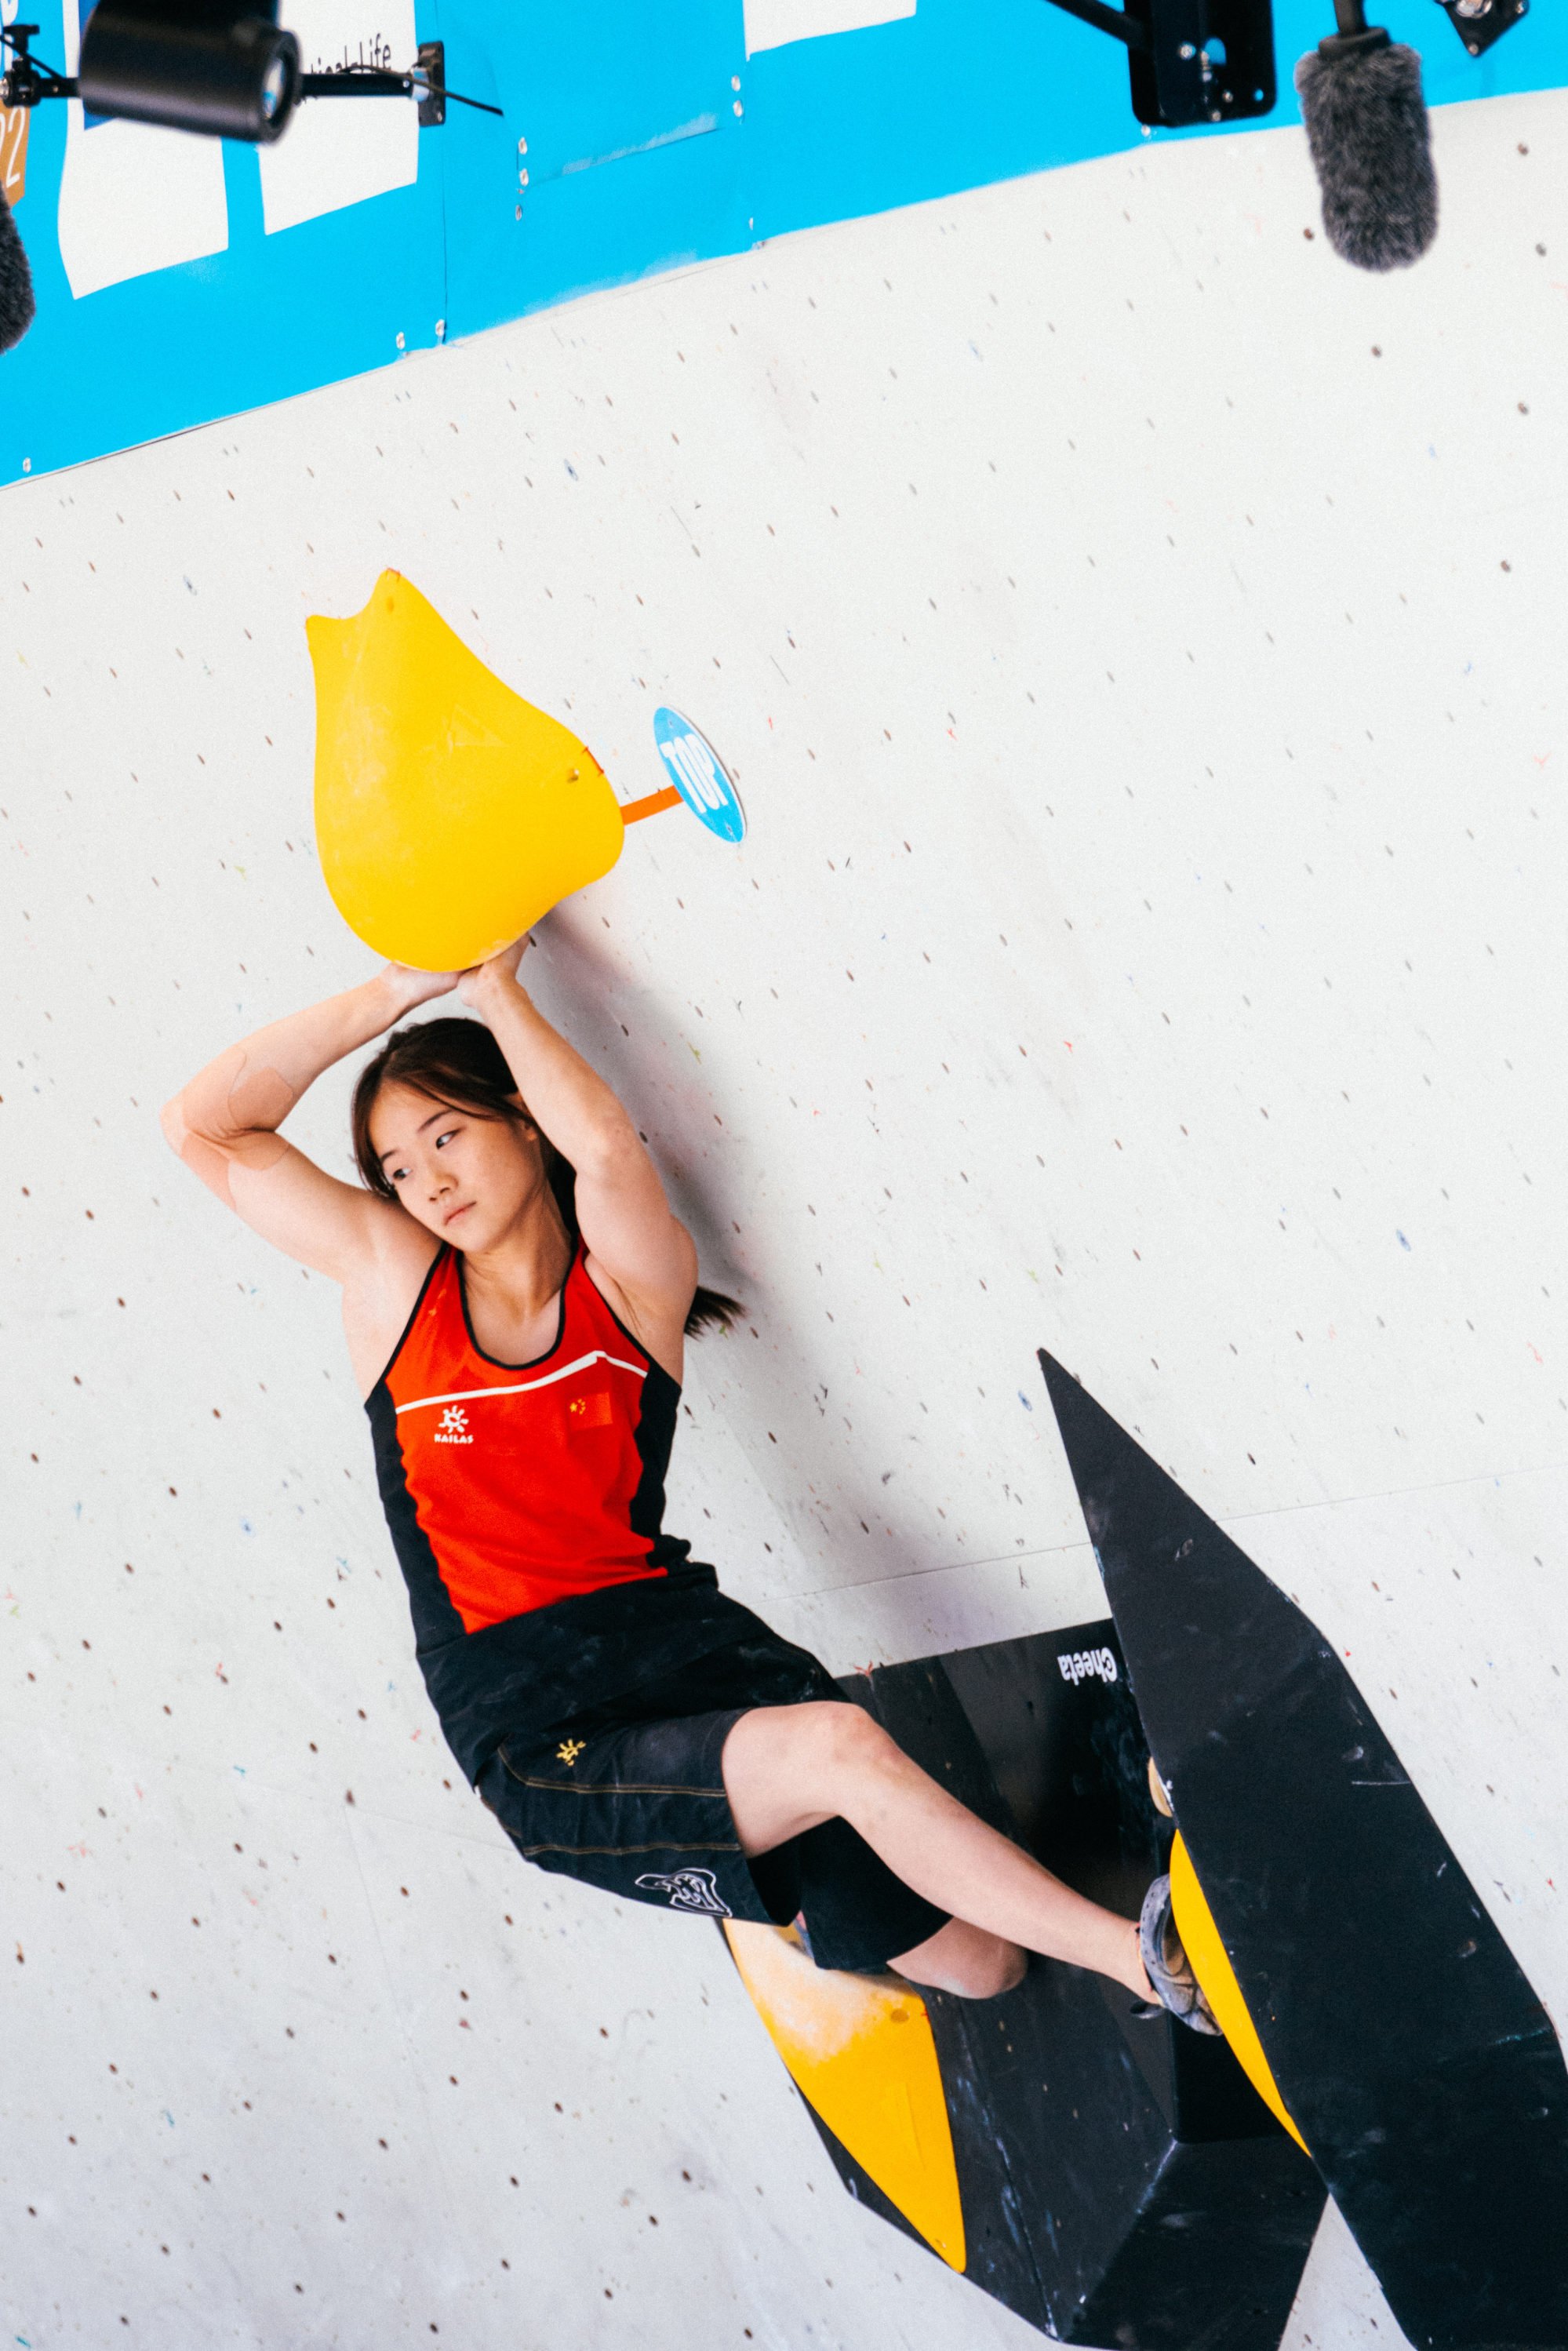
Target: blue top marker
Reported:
[(697, 773)]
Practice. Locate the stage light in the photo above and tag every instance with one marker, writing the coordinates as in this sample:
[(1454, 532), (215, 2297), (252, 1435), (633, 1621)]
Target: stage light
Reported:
[(223, 68)]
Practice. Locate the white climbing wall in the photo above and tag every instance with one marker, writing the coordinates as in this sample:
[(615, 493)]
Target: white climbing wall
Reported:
[(1137, 640)]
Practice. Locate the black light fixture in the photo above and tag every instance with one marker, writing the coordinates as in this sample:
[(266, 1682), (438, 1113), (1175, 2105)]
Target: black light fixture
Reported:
[(224, 68), (1191, 61), (1197, 61)]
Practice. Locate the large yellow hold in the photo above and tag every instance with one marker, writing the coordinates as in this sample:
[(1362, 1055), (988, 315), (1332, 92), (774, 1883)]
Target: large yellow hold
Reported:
[(1210, 1962), (450, 813), (863, 2054)]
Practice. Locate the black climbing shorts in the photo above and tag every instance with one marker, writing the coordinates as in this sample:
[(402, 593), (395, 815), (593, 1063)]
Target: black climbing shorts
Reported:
[(632, 1799)]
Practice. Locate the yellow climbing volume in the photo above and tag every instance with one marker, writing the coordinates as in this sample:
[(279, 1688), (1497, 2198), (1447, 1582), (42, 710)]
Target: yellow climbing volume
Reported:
[(1211, 1965), (861, 2053), (450, 813)]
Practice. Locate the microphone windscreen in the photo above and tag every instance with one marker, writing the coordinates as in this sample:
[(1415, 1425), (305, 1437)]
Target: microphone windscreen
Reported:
[(16, 305), (1366, 127)]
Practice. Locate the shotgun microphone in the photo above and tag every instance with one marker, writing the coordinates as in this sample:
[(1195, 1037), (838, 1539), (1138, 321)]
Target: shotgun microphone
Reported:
[(1366, 127), (16, 305)]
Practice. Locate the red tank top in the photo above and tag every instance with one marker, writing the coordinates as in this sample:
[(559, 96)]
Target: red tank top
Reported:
[(529, 1483)]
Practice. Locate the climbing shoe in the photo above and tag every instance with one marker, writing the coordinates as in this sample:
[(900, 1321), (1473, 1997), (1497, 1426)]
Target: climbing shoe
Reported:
[(1166, 1964)]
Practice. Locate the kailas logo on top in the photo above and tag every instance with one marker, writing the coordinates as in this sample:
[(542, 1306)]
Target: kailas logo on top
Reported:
[(454, 1428)]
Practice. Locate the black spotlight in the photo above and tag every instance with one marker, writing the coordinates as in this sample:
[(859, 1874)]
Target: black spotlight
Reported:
[(223, 67)]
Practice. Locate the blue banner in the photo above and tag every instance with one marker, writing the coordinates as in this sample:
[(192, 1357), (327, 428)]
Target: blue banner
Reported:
[(182, 279)]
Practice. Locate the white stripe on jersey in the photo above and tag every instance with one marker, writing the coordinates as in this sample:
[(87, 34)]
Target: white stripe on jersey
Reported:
[(522, 1388)]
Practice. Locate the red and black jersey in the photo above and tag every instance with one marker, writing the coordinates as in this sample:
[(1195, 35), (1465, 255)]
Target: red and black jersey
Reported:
[(526, 1503), (530, 1482)]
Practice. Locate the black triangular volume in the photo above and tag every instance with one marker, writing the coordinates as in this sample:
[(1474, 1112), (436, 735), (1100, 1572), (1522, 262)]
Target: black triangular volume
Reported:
[(1406, 2041)]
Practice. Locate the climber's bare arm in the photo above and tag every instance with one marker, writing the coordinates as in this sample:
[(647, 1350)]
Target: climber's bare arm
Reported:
[(223, 1124), (639, 1252)]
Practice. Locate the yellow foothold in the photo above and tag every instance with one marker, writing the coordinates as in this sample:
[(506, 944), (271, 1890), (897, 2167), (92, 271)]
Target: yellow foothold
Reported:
[(879, 2091), (450, 813), (1211, 1963)]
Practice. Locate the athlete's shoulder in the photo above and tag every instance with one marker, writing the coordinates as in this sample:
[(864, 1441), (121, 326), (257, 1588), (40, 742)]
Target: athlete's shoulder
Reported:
[(379, 1314), (604, 1297)]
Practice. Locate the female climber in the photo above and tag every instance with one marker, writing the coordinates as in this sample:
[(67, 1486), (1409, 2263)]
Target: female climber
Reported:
[(516, 1294)]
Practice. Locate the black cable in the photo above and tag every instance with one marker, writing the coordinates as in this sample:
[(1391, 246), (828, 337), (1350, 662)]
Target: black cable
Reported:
[(1115, 21), (434, 89)]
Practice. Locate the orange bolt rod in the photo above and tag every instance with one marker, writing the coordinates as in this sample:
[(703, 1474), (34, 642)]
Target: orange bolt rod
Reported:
[(635, 810)]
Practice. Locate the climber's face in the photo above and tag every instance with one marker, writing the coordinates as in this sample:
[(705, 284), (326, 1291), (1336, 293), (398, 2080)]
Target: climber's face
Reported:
[(470, 1179)]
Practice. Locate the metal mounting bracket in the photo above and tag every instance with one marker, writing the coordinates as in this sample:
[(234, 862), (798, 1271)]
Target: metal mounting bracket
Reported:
[(1193, 61), (430, 65), (1479, 23)]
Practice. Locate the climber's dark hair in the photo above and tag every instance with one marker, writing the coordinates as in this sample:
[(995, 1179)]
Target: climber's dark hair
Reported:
[(458, 1062)]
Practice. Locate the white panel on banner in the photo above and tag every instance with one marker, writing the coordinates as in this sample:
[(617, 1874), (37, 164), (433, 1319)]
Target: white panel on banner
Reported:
[(340, 152), (770, 24), (133, 198)]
